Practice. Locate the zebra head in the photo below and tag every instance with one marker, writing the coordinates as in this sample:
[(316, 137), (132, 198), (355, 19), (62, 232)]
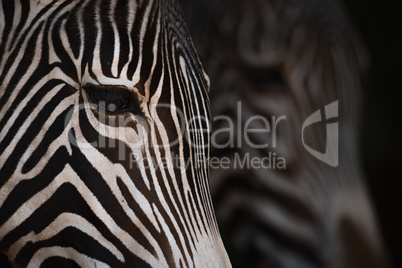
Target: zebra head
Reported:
[(104, 137)]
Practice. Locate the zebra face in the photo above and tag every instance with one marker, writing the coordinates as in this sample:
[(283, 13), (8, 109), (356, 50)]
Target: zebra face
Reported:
[(104, 137)]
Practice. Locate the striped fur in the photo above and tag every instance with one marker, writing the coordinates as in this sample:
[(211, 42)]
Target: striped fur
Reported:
[(67, 201), (287, 58)]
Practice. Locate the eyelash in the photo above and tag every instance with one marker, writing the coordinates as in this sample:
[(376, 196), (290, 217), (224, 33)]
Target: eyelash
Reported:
[(114, 101)]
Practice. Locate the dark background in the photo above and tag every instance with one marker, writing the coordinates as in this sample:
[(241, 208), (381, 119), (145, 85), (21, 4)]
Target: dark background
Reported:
[(379, 26)]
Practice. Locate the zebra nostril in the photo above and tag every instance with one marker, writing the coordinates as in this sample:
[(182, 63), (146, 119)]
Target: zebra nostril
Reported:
[(112, 99)]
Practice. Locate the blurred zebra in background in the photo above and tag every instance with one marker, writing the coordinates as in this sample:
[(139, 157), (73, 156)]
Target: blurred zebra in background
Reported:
[(288, 59)]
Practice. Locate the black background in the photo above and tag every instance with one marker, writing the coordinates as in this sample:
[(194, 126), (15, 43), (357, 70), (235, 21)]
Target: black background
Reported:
[(379, 25)]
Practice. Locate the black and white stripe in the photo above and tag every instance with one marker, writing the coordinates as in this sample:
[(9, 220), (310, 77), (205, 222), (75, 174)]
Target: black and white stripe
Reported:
[(66, 200), (287, 58)]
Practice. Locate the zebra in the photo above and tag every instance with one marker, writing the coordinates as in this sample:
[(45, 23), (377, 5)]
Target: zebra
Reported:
[(91, 92), (287, 58)]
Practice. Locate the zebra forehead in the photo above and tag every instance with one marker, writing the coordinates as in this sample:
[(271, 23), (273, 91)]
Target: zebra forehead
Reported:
[(103, 80)]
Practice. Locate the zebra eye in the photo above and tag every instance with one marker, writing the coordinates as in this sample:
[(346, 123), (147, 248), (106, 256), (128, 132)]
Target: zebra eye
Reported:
[(265, 75), (113, 100)]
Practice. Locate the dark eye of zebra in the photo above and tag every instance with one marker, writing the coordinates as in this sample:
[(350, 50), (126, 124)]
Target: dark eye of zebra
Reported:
[(112, 99), (265, 75)]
